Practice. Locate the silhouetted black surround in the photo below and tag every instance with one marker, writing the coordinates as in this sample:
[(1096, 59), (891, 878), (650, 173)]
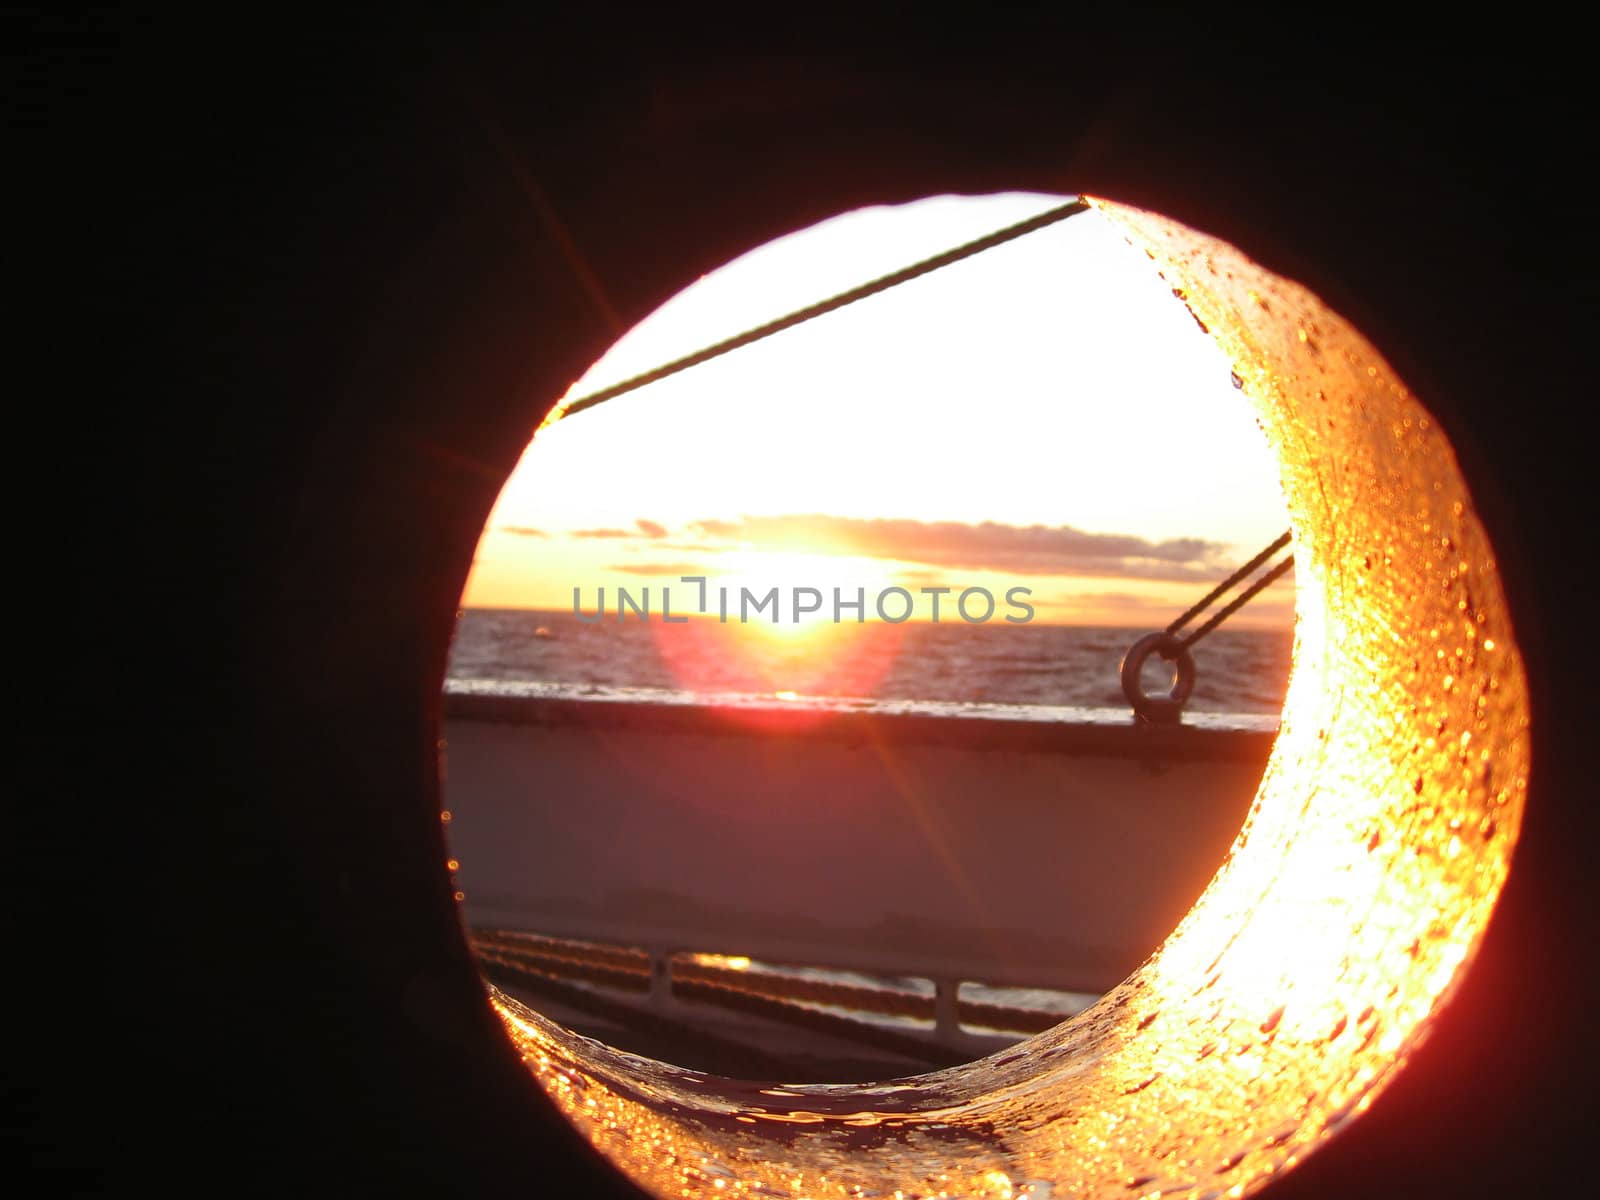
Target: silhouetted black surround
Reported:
[(394, 251)]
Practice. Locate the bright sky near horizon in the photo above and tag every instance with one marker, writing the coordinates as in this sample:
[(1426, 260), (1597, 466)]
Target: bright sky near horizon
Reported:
[(1045, 414)]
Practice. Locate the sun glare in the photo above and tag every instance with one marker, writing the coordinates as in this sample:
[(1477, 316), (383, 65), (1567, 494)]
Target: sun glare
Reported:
[(809, 587)]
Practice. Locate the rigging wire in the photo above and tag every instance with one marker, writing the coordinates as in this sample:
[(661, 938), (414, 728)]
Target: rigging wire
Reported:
[(1239, 601), (883, 283), (1168, 709)]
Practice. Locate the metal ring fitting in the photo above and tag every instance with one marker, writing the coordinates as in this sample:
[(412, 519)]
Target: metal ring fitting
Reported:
[(1166, 709)]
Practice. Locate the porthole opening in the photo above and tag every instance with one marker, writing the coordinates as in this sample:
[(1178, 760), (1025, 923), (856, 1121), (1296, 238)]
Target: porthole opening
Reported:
[(1291, 989)]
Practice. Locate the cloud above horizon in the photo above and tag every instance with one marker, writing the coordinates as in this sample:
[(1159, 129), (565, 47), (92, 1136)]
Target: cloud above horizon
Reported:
[(644, 528), (1022, 549), (663, 569), (928, 547)]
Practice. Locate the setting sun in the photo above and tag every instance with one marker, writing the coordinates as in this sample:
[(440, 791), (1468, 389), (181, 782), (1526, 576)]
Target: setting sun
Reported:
[(807, 585)]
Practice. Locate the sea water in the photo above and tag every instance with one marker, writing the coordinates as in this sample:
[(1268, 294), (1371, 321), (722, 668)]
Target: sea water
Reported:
[(946, 666)]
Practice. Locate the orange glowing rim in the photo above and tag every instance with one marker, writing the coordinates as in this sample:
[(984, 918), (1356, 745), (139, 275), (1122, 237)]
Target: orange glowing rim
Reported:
[(1349, 907)]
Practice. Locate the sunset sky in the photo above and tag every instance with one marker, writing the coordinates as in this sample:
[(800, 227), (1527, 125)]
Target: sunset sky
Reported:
[(1045, 415)]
